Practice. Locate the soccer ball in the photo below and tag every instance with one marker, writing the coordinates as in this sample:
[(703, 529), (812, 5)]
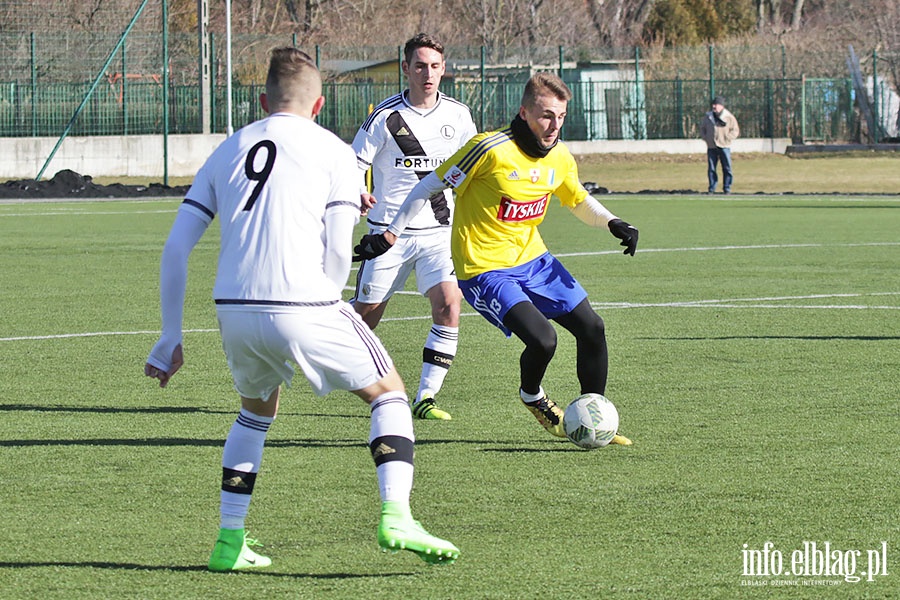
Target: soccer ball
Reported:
[(591, 421)]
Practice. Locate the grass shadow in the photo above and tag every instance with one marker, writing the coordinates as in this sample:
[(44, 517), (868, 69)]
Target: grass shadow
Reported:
[(191, 569)]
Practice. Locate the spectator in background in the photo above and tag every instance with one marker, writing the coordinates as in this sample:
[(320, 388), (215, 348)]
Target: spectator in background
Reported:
[(719, 128)]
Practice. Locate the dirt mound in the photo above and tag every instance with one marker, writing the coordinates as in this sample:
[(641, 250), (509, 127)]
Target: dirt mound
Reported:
[(68, 184)]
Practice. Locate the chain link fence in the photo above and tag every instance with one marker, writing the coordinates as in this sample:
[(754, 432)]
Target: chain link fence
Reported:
[(117, 84)]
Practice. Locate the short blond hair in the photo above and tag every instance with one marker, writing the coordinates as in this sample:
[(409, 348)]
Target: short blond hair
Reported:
[(293, 79), (545, 83)]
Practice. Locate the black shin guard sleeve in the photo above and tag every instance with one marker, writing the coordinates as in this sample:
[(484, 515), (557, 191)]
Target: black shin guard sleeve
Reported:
[(238, 482), (392, 447)]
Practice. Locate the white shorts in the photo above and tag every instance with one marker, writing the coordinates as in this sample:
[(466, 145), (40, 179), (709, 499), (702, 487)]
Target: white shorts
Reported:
[(429, 254), (331, 344)]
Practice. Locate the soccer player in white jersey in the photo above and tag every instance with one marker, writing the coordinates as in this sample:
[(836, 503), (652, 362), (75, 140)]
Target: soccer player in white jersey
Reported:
[(406, 137), (287, 196)]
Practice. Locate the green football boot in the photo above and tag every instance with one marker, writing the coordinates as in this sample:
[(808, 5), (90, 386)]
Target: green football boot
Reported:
[(232, 552), (399, 531)]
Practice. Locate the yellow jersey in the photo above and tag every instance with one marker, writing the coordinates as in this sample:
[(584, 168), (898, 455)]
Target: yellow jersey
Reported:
[(502, 195)]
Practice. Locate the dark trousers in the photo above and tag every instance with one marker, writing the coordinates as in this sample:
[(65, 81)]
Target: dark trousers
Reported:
[(713, 156)]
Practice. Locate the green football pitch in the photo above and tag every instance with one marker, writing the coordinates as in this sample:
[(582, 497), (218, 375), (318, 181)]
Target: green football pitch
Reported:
[(754, 358)]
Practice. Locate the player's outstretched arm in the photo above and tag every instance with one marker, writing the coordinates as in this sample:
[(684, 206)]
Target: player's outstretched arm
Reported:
[(593, 213), (166, 357), (372, 245)]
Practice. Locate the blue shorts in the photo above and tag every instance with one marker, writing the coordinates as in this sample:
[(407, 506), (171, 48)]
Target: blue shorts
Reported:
[(544, 282)]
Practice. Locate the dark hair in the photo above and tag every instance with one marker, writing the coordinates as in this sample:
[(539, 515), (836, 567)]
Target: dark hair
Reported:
[(718, 100), (422, 40), (542, 83)]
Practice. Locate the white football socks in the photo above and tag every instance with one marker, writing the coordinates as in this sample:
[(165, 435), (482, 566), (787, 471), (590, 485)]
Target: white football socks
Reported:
[(391, 416), (243, 452), (531, 398), (438, 354)]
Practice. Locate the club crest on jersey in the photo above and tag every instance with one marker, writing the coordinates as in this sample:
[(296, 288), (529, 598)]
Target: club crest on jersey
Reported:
[(447, 132), (535, 175), (454, 176), (513, 211), (419, 163)]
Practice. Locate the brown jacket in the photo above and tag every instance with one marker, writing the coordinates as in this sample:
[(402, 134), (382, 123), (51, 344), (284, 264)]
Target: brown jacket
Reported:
[(719, 132)]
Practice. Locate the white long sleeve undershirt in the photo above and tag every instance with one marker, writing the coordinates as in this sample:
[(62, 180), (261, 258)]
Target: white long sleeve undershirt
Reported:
[(593, 213), (186, 231), (338, 247)]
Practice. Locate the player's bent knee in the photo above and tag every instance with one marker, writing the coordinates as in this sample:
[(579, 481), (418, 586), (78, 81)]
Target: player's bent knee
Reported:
[(392, 382), (545, 344)]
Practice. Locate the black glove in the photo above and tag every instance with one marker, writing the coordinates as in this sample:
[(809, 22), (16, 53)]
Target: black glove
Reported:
[(625, 232), (370, 246)]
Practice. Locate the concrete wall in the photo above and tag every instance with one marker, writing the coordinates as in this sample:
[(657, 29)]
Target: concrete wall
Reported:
[(142, 155), (106, 156)]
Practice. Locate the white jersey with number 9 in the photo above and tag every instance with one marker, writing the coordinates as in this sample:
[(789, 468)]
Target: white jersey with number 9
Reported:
[(272, 183)]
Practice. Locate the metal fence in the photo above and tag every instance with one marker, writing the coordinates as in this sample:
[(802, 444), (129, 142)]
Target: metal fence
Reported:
[(801, 109), (38, 96)]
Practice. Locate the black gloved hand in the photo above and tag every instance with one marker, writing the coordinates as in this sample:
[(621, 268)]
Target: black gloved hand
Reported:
[(625, 232), (370, 246)]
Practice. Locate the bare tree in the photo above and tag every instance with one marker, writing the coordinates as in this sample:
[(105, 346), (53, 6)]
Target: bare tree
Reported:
[(797, 17), (618, 22)]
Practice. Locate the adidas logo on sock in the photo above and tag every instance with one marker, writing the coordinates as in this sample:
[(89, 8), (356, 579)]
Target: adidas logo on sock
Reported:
[(382, 449)]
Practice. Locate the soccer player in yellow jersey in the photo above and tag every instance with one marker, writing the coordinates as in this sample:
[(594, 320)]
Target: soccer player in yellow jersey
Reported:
[(503, 182)]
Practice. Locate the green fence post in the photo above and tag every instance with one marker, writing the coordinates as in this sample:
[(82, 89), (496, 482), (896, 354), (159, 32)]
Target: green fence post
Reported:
[(124, 93), (638, 132), (679, 106), (875, 119), (784, 93), (33, 88), (802, 108), (712, 79), (212, 81), (770, 108), (561, 57), (165, 58), (483, 91)]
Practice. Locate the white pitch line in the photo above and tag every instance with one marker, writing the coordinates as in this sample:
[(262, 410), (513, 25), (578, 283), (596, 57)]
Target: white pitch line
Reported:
[(756, 302), (735, 305), (718, 303), (87, 214), (747, 247), (60, 336)]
